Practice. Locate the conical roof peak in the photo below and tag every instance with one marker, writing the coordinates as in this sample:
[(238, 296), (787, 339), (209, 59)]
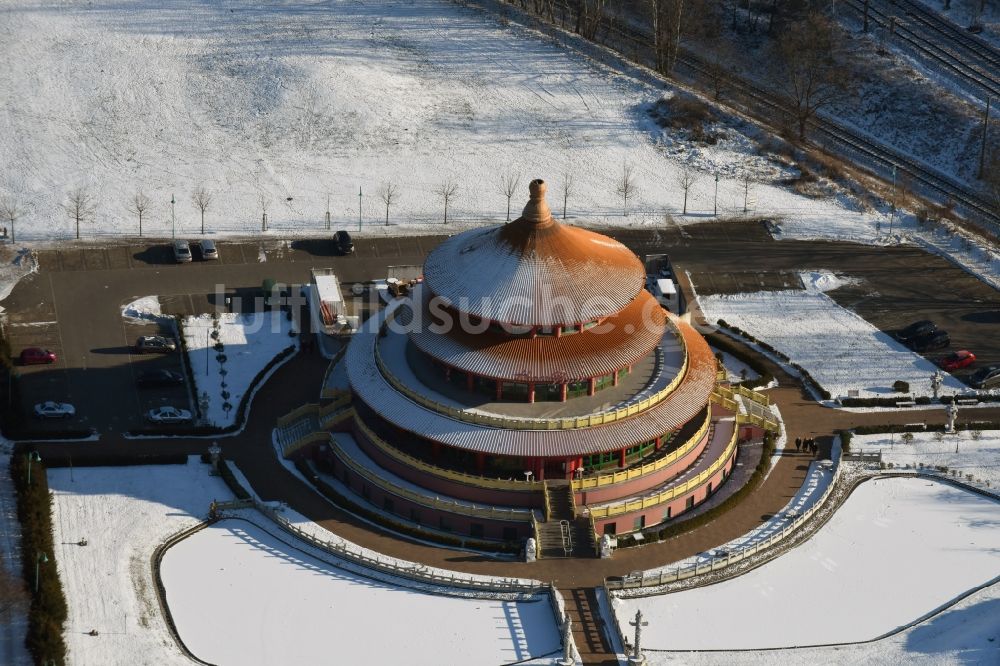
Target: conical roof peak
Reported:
[(537, 211)]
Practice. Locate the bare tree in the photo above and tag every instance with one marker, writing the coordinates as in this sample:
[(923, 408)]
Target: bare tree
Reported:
[(139, 205), (12, 208), (387, 193), (627, 187), (589, 17), (264, 199), (447, 191), (666, 17), (567, 189), (811, 67), (685, 179), (509, 182), (80, 206), (202, 198)]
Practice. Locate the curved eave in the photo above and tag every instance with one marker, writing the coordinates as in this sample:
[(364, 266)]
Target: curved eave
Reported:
[(618, 342), (371, 387)]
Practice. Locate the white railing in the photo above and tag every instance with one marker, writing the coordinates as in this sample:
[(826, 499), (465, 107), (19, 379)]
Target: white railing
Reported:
[(387, 565), (732, 557)]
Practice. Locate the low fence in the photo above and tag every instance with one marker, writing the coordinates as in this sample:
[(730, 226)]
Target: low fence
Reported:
[(408, 570), (632, 582)]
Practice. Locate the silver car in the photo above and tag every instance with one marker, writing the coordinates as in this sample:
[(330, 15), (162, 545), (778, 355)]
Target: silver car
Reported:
[(54, 410), (168, 414), (182, 251), (208, 250)]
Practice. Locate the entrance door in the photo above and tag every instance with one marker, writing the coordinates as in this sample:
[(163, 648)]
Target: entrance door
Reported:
[(555, 469)]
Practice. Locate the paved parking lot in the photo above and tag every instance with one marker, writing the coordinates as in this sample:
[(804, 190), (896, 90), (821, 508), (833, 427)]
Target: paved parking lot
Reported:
[(72, 305)]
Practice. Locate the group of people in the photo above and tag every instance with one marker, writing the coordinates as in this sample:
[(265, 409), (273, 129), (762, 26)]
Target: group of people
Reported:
[(806, 445)]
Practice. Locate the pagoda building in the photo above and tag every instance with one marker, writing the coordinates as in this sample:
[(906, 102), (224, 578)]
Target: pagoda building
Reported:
[(530, 386)]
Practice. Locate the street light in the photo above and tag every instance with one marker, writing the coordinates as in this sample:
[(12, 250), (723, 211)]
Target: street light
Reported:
[(716, 195), (173, 223), (32, 456), (40, 558)]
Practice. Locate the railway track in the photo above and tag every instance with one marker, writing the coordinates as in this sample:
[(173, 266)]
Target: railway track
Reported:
[(958, 53), (826, 133)]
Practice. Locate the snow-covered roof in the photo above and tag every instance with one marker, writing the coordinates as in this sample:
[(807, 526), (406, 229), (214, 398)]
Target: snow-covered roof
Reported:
[(375, 390), (534, 271), (666, 286)]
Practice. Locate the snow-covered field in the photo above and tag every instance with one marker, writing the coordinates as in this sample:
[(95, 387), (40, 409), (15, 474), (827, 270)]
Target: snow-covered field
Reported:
[(123, 513), (249, 341), (297, 102), (978, 457), (278, 605), (965, 634), (840, 350), (896, 550)]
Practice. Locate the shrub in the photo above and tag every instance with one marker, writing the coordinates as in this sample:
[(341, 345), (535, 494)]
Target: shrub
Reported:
[(845, 440), (899, 386), (47, 613)]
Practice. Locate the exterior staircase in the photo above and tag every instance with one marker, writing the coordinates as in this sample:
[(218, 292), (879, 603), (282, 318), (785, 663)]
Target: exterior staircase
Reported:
[(563, 534)]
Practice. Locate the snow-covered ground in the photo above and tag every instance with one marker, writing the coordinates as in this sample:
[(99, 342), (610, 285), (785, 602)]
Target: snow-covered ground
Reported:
[(896, 550), (236, 580), (14, 265), (14, 620), (145, 308), (978, 457), (967, 633), (124, 513), (249, 341), (300, 103), (841, 351)]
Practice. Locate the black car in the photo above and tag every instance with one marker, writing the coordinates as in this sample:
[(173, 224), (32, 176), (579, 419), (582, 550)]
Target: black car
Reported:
[(159, 378), (915, 330), (986, 378), (343, 243), (936, 339), (154, 344)]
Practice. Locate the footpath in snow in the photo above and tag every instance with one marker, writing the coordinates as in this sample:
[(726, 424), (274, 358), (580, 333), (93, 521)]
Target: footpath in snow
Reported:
[(896, 550)]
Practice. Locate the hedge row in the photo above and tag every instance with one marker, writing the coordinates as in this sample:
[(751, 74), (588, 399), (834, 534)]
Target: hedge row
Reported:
[(47, 613), (923, 427), (403, 528), (676, 528), (115, 459), (729, 346), (806, 377), (921, 400), (241, 409)]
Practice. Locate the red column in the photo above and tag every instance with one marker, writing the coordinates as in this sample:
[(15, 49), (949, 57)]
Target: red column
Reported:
[(468, 381), (614, 379), (621, 457), (480, 462), (658, 442), (563, 391), (499, 390), (539, 468), (592, 386), (435, 450), (531, 392)]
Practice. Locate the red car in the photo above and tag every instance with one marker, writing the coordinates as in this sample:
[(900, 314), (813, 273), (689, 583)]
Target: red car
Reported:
[(963, 358), (37, 355)]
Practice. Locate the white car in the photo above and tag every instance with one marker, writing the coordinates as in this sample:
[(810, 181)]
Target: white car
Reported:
[(54, 410), (168, 415)]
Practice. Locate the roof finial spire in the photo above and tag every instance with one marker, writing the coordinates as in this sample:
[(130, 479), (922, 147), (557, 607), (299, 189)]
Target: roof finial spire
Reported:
[(537, 209)]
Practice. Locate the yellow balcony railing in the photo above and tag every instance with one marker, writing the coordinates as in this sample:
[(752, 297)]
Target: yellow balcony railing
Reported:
[(670, 493)]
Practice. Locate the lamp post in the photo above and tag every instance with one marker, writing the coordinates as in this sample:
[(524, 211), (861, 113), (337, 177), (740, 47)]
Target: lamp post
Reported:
[(359, 208), (173, 222), (716, 207), (37, 458), (39, 558), (892, 214)]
